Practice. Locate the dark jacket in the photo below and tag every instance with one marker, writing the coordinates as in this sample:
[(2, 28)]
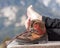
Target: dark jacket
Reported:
[(53, 28)]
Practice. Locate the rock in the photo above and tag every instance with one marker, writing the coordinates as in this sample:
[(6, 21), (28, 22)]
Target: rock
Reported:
[(50, 44)]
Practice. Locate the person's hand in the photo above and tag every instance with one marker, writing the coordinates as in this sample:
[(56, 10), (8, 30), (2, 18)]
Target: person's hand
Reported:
[(27, 23), (31, 15)]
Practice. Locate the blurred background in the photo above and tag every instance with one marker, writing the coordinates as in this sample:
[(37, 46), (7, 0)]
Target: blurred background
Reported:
[(13, 14)]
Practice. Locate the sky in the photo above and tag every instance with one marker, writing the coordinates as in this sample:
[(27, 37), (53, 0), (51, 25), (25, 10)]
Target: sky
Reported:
[(9, 8)]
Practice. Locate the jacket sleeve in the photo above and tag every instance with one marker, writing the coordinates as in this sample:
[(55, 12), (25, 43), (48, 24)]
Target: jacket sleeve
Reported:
[(51, 23)]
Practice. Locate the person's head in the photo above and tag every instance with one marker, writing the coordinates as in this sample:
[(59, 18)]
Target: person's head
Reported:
[(38, 25)]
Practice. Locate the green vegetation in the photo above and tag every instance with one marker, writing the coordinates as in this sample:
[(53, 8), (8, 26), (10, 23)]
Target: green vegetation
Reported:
[(3, 45)]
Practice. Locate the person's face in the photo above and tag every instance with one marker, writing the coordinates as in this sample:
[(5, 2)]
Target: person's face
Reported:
[(36, 26)]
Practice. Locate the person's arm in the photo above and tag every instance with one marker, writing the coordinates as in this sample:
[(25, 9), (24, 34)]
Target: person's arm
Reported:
[(51, 23)]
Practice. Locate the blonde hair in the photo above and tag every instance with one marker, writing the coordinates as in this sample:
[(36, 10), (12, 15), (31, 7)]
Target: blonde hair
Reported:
[(41, 23)]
